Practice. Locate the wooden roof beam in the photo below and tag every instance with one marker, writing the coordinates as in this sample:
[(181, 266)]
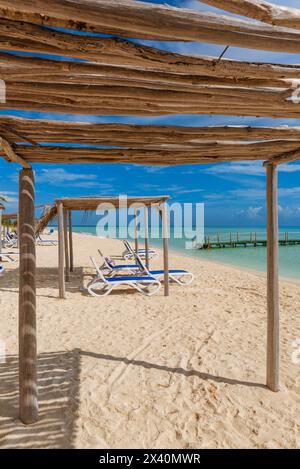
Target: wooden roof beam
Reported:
[(266, 12), (25, 37), (10, 154), (288, 157), (143, 20)]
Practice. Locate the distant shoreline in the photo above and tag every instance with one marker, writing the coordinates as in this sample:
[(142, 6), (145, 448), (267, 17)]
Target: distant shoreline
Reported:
[(191, 254)]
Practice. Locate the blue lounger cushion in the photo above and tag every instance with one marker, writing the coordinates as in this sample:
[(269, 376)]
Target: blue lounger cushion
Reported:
[(172, 271), (130, 278)]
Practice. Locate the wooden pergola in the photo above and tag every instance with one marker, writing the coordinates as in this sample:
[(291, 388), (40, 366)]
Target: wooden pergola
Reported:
[(121, 77), (65, 208)]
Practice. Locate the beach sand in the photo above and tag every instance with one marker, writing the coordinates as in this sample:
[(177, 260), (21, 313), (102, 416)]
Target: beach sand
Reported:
[(128, 371)]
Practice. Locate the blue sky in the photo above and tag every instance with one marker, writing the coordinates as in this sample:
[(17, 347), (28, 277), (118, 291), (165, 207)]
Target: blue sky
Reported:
[(232, 193)]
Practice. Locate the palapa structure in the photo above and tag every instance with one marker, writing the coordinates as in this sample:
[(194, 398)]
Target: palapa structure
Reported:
[(65, 207), (120, 77)]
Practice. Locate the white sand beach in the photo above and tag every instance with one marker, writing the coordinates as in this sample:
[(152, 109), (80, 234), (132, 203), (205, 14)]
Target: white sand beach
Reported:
[(128, 371)]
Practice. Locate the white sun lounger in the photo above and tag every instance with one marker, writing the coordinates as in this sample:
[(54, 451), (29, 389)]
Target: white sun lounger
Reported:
[(10, 256), (111, 269), (10, 242), (140, 282), (46, 242), (180, 276), (128, 253)]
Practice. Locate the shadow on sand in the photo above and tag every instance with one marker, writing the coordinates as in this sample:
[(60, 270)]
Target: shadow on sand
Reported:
[(59, 386), (58, 379), (46, 277)]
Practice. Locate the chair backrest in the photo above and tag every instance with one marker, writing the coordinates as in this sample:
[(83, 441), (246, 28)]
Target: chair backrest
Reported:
[(100, 274), (138, 260), (127, 245), (107, 261)]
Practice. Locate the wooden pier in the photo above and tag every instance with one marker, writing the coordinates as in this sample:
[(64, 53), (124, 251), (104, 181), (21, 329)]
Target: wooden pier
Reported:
[(240, 239)]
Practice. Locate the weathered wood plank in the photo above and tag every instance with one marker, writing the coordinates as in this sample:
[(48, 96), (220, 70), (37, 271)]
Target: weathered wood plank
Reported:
[(144, 20), (174, 154), (222, 103), (260, 10), (28, 401), (82, 132), (66, 246), (15, 68), (24, 37), (288, 157), (61, 251), (71, 241), (273, 339), (11, 155)]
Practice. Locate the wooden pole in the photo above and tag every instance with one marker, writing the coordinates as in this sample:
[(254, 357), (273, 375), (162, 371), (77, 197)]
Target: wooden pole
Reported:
[(165, 231), (1, 234), (61, 249), (136, 239), (273, 281), (18, 232), (146, 223), (71, 241), (66, 246), (28, 403)]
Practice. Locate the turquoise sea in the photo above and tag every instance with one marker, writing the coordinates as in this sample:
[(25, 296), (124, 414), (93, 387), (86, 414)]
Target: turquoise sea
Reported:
[(250, 258)]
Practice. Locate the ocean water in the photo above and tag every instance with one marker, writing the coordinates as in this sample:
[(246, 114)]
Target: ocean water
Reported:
[(254, 258)]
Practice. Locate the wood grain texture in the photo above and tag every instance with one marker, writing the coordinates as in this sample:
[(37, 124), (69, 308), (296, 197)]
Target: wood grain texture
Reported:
[(144, 20), (61, 251), (10, 154), (92, 203), (28, 400), (24, 37), (205, 152), (260, 10), (273, 318), (66, 246), (123, 134), (71, 241)]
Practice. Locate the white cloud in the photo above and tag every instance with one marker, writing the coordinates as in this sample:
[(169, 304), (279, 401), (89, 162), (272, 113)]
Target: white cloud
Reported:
[(153, 169), (254, 212), (10, 196), (251, 213), (248, 168), (59, 176)]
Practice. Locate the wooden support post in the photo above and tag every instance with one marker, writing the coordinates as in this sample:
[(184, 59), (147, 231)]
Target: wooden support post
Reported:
[(61, 249), (66, 245), (1, 235), (71, 241), (136, 239), (28, 403), (18, 233), (165, 232), (273, 281), (146, 223)]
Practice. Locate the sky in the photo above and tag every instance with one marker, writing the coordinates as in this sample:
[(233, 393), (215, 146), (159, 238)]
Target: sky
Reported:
[(233, 193)]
